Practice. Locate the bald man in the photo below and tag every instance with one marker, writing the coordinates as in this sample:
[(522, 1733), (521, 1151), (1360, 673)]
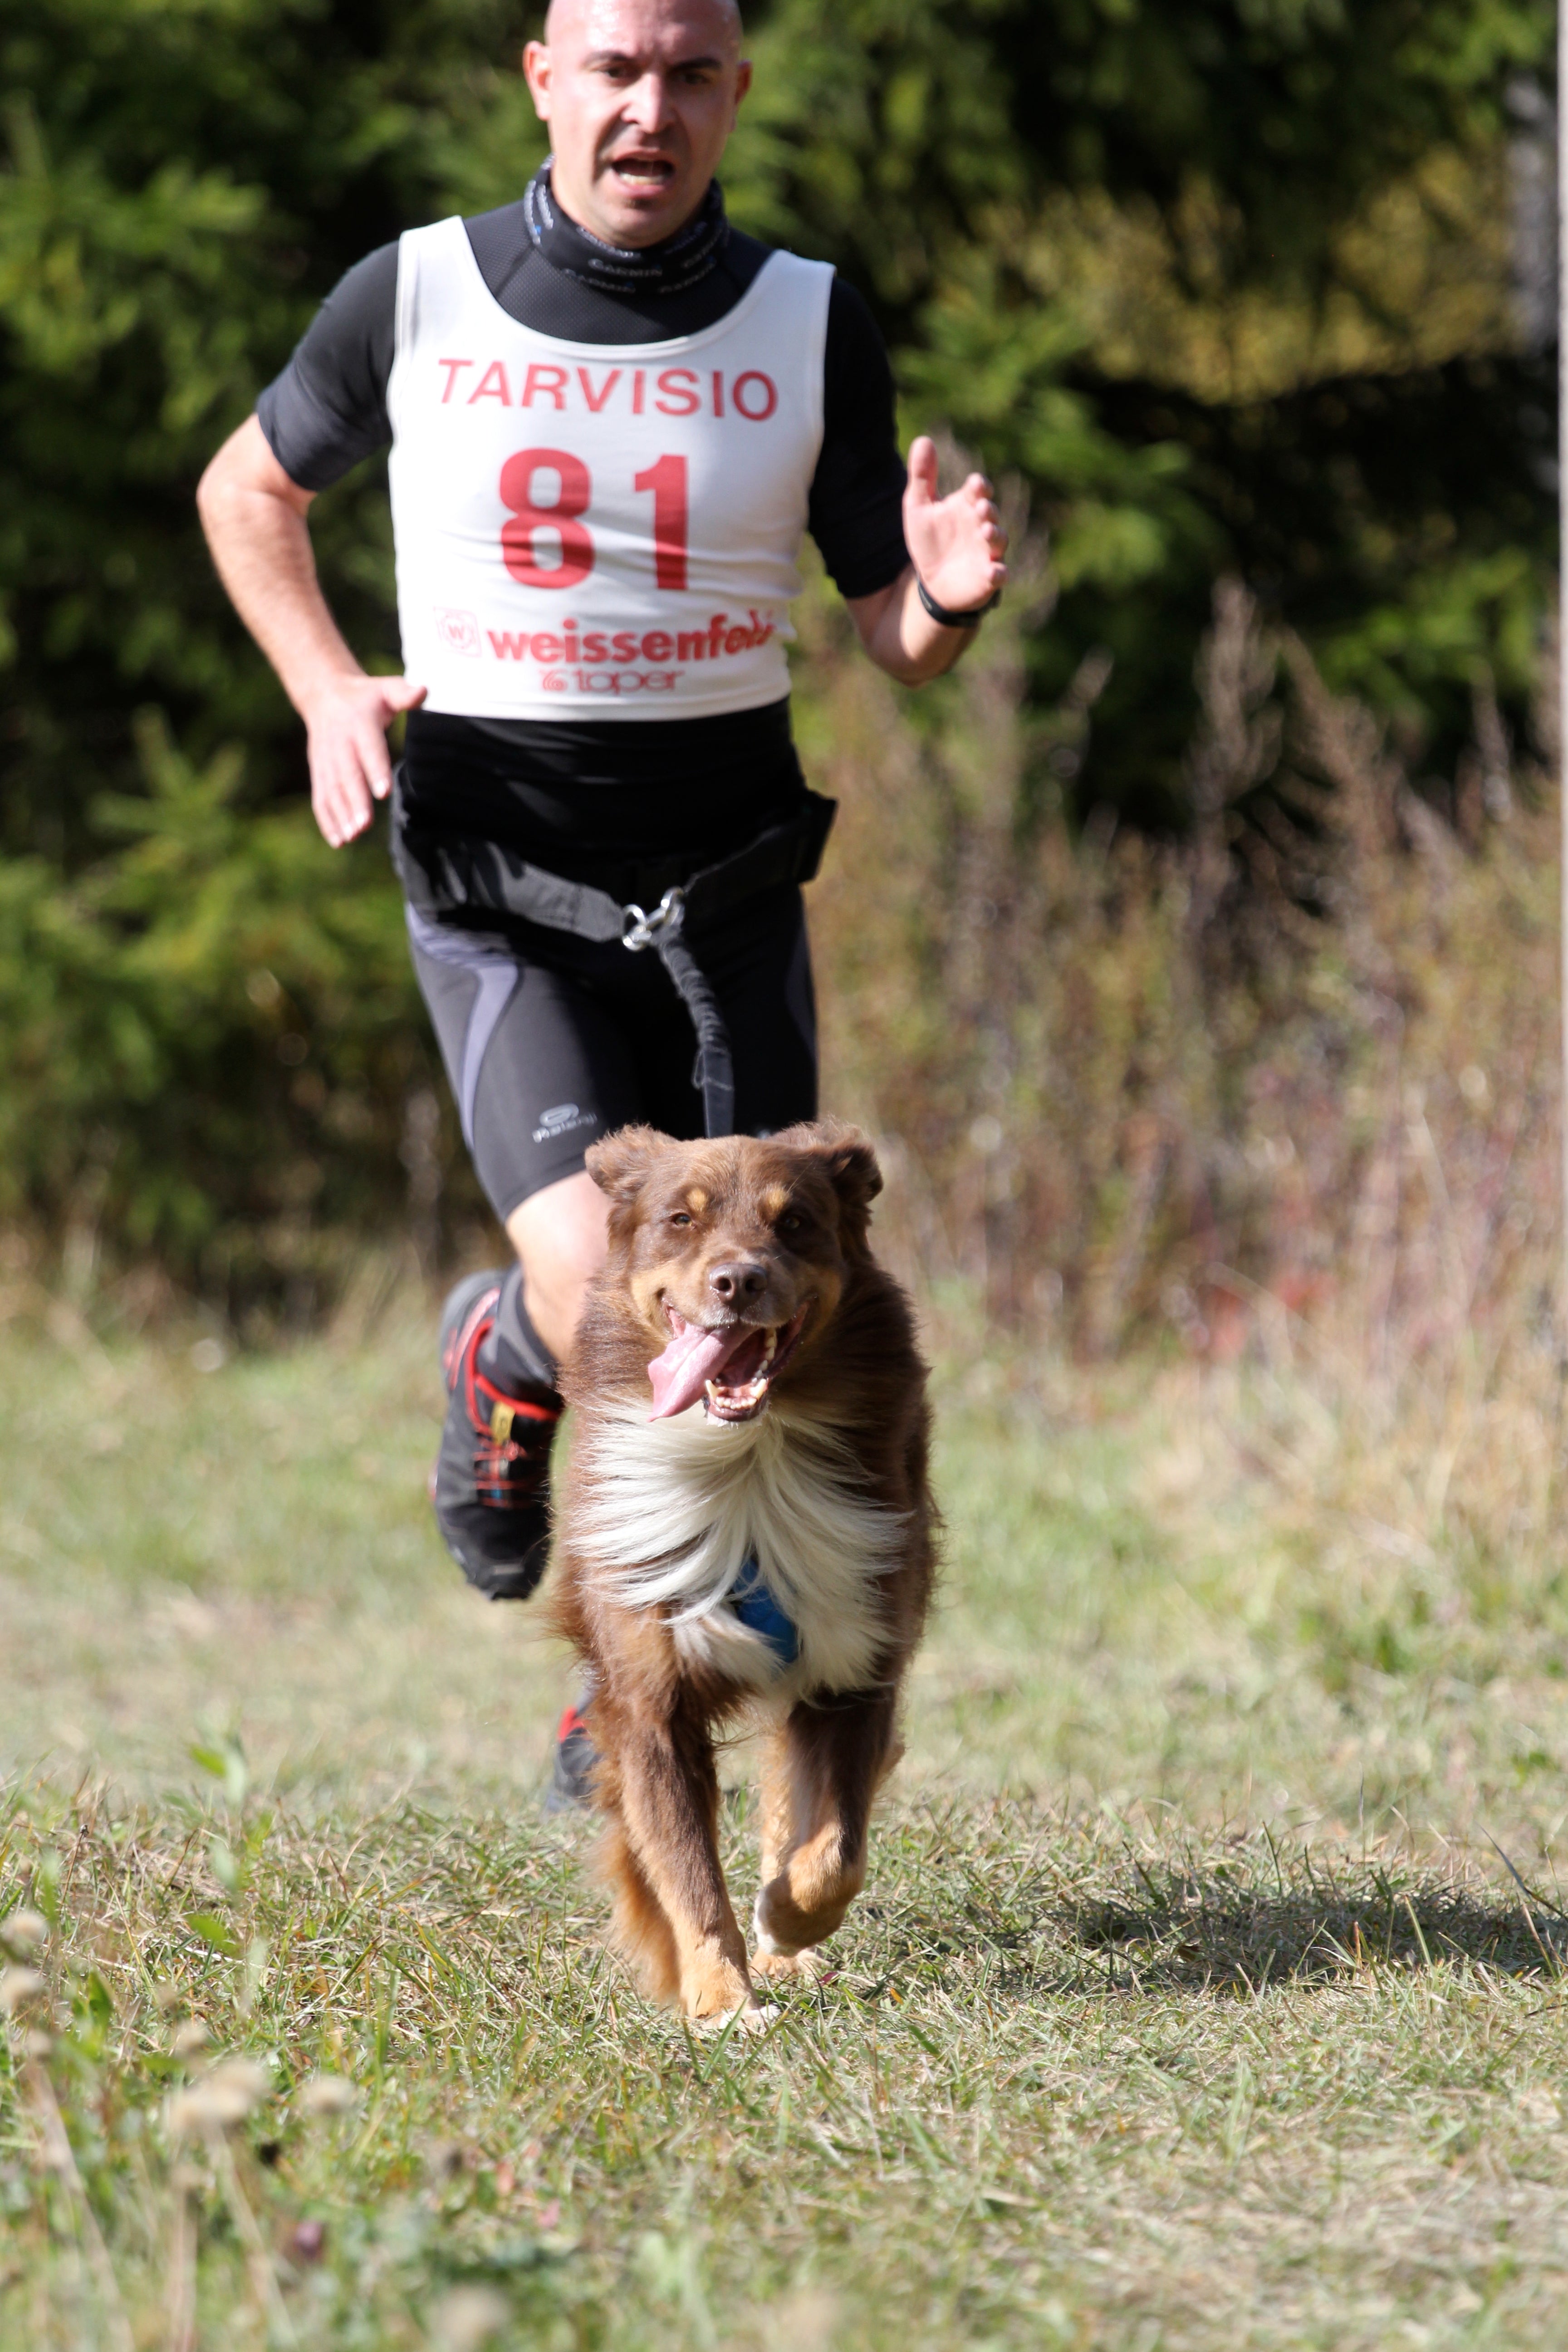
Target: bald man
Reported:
[(612, 416)]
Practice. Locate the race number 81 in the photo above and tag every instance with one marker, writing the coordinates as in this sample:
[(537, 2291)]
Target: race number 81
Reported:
[(666, 479)]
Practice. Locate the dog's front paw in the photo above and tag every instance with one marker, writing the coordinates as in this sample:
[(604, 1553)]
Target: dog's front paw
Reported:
[(754, 2018), (770, 1960), (812, 1964), (714, 1989)]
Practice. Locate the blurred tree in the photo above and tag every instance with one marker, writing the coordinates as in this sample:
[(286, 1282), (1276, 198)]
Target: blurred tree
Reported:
[(1230, 283), (1227, 282), (185, 184), (210, 1045), (1112, 246)]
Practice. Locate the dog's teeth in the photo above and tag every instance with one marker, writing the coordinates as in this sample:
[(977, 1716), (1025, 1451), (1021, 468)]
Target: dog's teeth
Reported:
[(772, 1343)]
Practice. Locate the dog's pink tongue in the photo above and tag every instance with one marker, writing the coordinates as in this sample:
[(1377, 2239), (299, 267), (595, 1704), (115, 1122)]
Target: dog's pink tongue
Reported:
[(692, 1359)]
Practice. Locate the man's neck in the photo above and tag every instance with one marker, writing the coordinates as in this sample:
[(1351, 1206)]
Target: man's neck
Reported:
[(579, 217), (673, 263)]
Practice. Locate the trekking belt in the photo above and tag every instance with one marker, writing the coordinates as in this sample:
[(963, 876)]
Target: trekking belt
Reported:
[(443, 874)]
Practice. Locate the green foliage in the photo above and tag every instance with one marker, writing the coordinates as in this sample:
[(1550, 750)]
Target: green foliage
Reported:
[(185, 184), (162, 1081), (1224, 283), (1228, 288), (1187, 2001)]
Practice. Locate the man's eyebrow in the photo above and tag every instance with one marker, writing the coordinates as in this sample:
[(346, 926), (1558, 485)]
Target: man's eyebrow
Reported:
[(624, 57)]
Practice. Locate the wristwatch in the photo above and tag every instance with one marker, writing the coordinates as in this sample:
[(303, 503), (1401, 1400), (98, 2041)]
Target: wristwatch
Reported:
[(946, 620)]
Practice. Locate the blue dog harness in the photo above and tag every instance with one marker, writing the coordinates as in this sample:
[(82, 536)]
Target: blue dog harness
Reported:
[(753, 1600)]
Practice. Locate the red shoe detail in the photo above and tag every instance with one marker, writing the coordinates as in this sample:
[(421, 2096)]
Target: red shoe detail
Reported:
[(481, 1311), (492, 1416)]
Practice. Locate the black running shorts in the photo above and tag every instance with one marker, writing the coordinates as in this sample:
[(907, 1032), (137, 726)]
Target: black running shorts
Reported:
[(551, 1041)]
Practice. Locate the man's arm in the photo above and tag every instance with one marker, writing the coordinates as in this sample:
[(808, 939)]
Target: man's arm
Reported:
[(871, 515), (956, 547), (254, 517)]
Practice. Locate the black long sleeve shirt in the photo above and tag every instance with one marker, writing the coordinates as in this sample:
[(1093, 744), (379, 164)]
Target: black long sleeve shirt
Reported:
[(576, 793)]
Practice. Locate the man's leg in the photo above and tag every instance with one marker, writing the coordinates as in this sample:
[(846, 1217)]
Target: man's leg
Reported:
[(503, 1335), (536, 1071), (503, 1338), (490, 1483), (559, 1237), (540, 1065)]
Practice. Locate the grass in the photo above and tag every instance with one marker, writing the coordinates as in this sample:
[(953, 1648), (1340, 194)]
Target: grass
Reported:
[(1190, 2004)]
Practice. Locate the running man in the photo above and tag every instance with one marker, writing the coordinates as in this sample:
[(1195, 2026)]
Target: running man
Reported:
[(611, 417)]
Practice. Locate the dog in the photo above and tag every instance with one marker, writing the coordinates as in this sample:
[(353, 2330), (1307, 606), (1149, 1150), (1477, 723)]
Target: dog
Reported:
[(745, 1530)]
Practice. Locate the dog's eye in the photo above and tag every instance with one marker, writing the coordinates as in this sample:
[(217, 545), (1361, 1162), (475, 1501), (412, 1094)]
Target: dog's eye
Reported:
[(680, 1218), (792, 1222)]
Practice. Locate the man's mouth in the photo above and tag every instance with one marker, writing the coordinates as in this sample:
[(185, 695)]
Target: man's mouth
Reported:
[(731, 1368), (647, 173)]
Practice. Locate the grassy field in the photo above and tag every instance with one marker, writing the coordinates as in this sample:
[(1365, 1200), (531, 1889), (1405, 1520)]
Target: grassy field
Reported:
[(1191, 2003)]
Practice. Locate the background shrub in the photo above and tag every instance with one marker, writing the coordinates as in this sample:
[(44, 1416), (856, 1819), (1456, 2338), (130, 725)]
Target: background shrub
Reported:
[(1247, 294)]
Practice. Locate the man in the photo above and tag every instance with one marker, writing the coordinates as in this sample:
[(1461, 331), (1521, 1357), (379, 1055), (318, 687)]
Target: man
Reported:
[(611, 417)]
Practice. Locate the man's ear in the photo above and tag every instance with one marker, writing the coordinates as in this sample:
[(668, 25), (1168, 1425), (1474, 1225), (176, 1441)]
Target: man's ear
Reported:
[(619, 1163)]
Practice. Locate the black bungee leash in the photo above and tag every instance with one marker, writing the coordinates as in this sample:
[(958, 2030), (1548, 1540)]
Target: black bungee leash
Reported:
[(446, 874)]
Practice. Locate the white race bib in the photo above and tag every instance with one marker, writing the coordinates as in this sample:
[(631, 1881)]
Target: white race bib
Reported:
[(599, 531)]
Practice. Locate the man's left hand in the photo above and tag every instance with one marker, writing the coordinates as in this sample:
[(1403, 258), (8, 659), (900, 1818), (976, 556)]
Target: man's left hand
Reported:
[(956, 544), (956, 549)]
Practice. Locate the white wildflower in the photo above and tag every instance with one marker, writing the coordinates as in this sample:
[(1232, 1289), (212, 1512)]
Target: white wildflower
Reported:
[(468, 2317), (328, 2094), (18, 1987), (23, 1933), (222, 2098)]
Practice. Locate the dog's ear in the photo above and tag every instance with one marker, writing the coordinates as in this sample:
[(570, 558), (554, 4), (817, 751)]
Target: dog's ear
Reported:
[(848, 1163), (856, 1179), (847, 1160), (619, 1163)]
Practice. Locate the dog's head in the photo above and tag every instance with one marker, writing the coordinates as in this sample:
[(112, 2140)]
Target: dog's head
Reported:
[(733, 1254)]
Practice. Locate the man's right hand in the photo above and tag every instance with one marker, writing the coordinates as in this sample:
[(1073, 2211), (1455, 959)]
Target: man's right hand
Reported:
[(254, 516), (347, 717)]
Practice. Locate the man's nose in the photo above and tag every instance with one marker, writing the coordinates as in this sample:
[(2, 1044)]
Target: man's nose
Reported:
[(646, 105), (738, 1281)]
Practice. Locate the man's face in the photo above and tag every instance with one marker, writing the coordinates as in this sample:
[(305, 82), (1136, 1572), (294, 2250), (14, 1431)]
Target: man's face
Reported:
[(640, 97)]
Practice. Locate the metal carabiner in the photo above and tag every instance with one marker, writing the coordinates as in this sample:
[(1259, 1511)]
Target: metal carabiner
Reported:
[(641, 930)]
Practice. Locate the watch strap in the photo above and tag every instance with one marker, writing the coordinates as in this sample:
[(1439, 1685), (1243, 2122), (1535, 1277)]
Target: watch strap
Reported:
[(946, 619)]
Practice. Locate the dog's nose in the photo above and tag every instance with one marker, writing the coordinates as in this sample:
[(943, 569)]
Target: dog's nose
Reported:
[(739, 1282)]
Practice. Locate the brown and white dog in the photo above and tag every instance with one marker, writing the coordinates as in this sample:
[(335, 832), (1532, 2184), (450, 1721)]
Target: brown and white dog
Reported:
[(746, 1529)]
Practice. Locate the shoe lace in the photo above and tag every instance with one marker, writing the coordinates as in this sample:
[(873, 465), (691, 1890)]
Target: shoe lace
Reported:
[(511, 1434)]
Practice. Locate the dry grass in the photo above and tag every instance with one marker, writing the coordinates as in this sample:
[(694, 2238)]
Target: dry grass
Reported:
[(1068, 2084), (1207, 1992), (1313, 1051), (1189, 2004)]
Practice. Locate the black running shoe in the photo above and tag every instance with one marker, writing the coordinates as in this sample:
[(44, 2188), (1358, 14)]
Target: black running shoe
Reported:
[(572, 1774), (490, 1484)]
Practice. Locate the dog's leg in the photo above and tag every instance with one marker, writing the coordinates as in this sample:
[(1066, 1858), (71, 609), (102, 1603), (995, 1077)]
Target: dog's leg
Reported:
[(668, 1804), (820, 1772), (640, 1931)]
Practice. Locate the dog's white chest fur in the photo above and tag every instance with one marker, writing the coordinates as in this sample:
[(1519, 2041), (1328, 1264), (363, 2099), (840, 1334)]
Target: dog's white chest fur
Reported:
[(669, 1512)]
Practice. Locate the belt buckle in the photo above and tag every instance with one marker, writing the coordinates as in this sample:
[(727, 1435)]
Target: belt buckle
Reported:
[(640, 930)]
